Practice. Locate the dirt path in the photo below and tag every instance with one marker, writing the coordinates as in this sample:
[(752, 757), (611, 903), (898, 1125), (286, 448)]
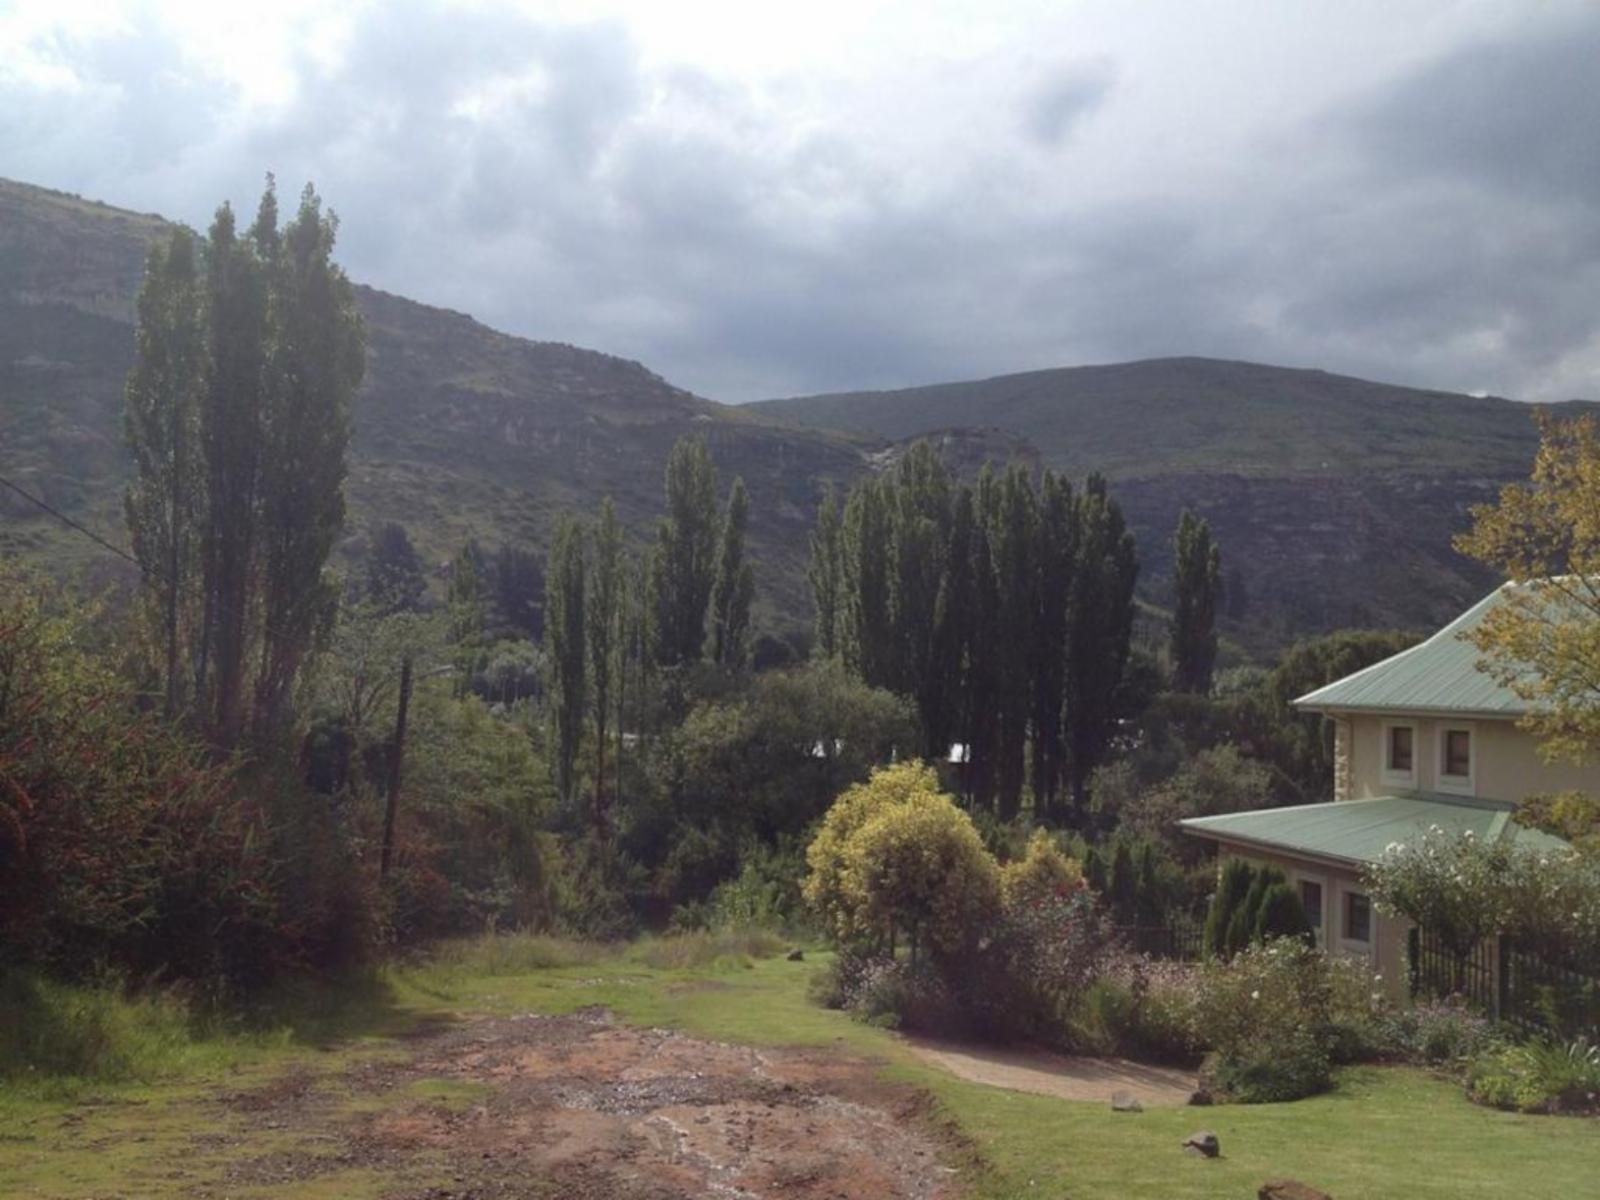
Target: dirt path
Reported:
[(581, 1107), (1040, 1071)]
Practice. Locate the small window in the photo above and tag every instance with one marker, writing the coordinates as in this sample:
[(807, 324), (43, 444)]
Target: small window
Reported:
[(1400, 749), (1357, 917), (1311, 901), (1457, 754)]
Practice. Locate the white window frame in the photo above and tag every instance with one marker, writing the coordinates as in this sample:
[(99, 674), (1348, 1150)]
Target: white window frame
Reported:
[(1460, 785), (1399, 778)]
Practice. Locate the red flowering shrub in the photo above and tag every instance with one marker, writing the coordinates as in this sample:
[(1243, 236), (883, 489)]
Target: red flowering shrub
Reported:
[(121, 844)]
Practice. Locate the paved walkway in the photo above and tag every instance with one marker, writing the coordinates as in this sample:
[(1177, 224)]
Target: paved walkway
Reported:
[(1029, 1070)]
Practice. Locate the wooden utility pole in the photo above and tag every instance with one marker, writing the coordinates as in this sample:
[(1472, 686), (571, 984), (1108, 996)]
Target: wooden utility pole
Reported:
[(395, 758)]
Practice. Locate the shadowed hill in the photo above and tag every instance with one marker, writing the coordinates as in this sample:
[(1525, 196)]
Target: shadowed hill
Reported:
[(458, 430), (1335, 498)]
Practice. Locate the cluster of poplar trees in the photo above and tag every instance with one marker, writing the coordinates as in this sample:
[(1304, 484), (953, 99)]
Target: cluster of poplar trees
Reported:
[(609, 620), (249, 349), (1004, 610)]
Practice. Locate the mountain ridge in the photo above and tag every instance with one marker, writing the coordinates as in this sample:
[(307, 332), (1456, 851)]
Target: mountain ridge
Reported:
[(1334, 503)]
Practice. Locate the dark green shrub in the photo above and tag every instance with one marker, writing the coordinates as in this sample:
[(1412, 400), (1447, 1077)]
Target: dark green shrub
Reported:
[(1541, 1076), (1232, 887), (1270, 1072), (1280, 914)]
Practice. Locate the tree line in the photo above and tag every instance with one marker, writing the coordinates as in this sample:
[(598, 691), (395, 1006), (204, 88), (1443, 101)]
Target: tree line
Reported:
[(1004, 609)]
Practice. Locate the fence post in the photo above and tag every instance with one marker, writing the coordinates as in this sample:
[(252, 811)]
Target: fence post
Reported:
[(1502, 976), (1414, 958)]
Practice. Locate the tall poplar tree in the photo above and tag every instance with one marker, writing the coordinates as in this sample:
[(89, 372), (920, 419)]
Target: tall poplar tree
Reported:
[(735, 587), (1012, 522), (603, 624), (1197, 581), (1100, 624), (1055, 554), (165, 504), (315, 363), (825, 573), (566, 649), (684, 567), (869, 618), (919, 496), (232, 430)]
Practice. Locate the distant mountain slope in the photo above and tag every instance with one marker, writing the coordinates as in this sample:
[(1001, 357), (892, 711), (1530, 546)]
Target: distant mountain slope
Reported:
[(1168, 415), (458, 430), (1335, 498)]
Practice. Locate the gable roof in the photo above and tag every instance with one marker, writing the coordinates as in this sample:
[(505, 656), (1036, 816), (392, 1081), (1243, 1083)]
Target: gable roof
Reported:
[(1439, 675), (1357, 832)]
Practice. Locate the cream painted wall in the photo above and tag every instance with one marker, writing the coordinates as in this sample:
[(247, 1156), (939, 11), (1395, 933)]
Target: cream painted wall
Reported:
[(1385, 952), (1506, 762)]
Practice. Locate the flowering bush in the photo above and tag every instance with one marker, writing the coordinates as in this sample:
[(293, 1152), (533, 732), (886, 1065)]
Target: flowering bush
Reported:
[(1445, 1033), (1144, 1008), (1287, 1003), (1042, 872)]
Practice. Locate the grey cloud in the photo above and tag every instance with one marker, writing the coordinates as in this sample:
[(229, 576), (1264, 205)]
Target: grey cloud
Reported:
[(1067, 95), (1400, 235)]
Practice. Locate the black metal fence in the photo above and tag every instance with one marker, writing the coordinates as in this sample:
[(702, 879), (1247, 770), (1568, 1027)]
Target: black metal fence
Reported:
[(1181, 941), (1509, 982)]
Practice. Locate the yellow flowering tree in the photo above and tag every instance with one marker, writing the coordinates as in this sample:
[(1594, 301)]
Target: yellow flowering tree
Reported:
[(896, 858), (1543, 641)]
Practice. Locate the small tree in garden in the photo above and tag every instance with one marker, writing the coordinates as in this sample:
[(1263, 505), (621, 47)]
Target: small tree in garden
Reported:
[(1043, 872), (1451, 885), (1232, 887), (895, 857)]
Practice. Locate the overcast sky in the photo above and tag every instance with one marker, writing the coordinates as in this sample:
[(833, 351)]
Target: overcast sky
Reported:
[(768, 199)]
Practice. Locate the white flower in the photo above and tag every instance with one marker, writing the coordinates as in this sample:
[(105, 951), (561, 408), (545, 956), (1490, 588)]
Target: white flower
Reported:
[(1256, 995)]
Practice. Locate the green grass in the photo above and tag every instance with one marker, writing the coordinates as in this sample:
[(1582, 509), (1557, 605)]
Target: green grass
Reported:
[(1383, 1132)]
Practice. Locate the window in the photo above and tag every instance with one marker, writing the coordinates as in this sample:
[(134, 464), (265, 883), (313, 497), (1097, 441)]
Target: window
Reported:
[(1400, 749), (1454, 755), (1311, 901), (1357, 917), (1400, 755)]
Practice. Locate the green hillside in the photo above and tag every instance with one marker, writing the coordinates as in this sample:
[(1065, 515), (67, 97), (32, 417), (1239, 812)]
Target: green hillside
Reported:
[(1335, 498), (459, 430), (1170, 415)]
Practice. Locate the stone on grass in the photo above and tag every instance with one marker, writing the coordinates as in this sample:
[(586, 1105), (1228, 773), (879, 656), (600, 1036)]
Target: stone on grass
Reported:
[(1200, 1097), (1289, 1189), (1205, 1143), (797, 955), (1125, 1102)]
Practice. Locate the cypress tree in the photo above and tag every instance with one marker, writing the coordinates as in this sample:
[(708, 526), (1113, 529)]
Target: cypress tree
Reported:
[(1233, 885), (1281, 914), (1197, 580)]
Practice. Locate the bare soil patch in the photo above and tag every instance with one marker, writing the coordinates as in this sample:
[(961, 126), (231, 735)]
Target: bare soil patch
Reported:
[(1028, 1069), (580, 1107)]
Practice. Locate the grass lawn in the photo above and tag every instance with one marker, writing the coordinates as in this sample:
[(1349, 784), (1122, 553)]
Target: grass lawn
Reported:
[(1382, 1133)]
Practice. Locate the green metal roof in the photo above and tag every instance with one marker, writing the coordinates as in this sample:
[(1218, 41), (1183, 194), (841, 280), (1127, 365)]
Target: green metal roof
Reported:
[(1438, 675), (1358, 831)]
